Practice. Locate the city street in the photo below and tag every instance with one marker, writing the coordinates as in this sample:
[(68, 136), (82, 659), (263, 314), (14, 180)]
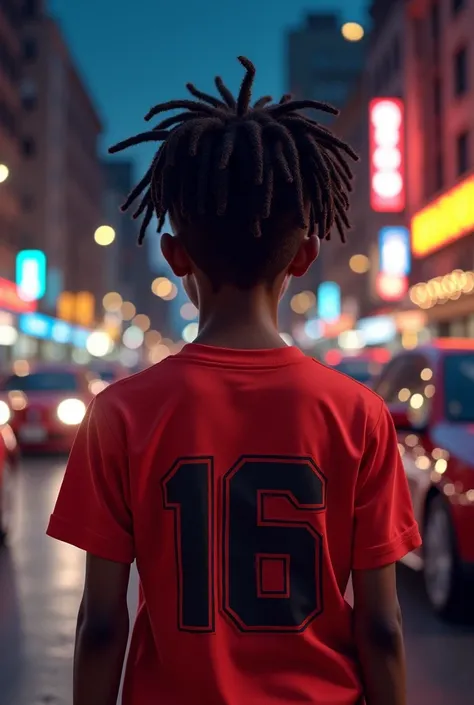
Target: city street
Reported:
[(40, 586)]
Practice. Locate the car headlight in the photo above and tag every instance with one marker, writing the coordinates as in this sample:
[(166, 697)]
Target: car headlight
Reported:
[(4, 413), (71, 412)]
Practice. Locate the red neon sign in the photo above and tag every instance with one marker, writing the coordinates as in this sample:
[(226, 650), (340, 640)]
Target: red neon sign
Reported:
[(387, 159), (11, 301)]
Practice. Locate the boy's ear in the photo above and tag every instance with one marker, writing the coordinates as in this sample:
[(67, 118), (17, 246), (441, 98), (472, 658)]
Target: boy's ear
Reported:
[(306, 255), (176, 255)]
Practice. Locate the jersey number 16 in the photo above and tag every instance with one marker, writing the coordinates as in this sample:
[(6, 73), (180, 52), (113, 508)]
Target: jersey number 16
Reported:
[(271, 575)]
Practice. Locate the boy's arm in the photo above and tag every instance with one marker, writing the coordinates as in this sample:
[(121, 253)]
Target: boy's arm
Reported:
[(102, 633), (378, 634), (385, 530)]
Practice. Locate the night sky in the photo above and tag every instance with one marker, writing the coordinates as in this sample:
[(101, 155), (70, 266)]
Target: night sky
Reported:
[(135, 53)]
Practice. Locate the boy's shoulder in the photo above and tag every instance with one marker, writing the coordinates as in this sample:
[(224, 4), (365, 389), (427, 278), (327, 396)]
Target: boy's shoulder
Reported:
[(133, 388), (348, 392)]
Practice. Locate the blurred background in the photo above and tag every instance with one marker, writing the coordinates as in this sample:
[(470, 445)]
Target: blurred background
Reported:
[(81, 306)]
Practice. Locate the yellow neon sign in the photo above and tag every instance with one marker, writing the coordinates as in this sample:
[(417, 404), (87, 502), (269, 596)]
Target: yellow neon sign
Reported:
[(447, 219)]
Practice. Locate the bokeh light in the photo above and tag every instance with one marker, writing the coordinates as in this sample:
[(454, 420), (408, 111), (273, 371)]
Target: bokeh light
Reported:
[(352, 31), (188, 311), (112, 302), (359, 264), (99, 343), (162, 287), (133, 337), (104, 235), (190, 332), (128, 311), (4, 173), (142, 321)]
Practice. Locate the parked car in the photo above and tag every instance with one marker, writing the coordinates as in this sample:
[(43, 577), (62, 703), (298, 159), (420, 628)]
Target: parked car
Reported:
[(109, 372), (47, 405), (9, 456), (364, 366), (430, 392)]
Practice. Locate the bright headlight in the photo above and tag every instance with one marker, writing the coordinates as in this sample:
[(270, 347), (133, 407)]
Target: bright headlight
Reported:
[(71, 412), (4, 413)]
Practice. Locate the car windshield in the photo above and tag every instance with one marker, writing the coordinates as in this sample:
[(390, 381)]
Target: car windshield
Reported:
[(360, 370), (43, 382), (459, 387)]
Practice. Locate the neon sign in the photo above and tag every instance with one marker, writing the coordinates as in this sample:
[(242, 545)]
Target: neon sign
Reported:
[(394, 263), (445, 220), (386, 145), (31, 274)]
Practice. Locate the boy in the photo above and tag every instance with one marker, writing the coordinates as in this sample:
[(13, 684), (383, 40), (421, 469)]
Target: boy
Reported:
[(246, 480)]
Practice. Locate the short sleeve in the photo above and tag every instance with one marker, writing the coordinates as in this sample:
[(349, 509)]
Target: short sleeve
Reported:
[(92, 511), (385, 527)]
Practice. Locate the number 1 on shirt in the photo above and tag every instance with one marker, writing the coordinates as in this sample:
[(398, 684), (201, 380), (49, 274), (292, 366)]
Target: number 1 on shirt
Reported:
[(254, 544)]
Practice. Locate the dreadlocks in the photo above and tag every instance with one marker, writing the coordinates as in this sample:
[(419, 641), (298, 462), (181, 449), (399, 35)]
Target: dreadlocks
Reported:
[(225, 164)]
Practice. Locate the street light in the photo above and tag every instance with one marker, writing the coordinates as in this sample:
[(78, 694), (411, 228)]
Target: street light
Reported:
[(4, 173), (104, 235)]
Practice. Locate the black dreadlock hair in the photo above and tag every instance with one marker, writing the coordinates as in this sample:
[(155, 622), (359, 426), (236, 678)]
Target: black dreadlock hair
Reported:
[(240, 180)]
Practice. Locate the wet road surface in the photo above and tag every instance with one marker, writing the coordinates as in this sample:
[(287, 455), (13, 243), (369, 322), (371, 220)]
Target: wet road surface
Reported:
[(40, 589)]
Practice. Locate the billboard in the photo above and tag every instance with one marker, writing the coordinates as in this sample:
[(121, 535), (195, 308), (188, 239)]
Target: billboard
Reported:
[(445, 220)]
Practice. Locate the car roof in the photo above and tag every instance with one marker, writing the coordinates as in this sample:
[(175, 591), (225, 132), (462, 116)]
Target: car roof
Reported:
[(447, 345)]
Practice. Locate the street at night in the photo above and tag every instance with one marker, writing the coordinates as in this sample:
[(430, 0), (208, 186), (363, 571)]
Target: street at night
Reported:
[(41, 583)]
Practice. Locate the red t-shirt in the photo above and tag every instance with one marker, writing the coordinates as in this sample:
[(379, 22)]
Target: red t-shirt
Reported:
[(246, 485)]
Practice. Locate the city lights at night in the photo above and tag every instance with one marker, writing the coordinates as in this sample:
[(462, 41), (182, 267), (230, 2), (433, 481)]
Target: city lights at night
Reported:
[(237, 352)]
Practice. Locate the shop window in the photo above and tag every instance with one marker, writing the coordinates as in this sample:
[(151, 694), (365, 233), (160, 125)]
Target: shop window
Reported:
[(460, 72), (462, 153)]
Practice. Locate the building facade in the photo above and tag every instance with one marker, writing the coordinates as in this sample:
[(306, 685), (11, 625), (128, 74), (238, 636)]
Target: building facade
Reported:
[(61, 176), (440, 129), (10, 64), (321, 64)]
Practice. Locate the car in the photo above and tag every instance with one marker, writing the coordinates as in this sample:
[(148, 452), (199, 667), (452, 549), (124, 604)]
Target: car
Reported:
[(364, 366), (47, 405), (9, 458), (109, 372), (430, 393)]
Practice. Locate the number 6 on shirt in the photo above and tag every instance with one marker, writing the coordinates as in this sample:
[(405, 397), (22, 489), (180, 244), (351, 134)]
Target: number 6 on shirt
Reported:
[(271, 571)]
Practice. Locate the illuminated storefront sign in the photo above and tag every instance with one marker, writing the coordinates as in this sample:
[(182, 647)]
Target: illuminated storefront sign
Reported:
[(377, 330), (76, 308), (447, 219), (386, 145), (31, 274), (10, 299), (390, 287), (329, 302), (391, 283), (37, 325), (441, 289)]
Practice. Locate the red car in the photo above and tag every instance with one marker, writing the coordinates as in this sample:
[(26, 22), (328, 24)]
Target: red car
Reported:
[(47, 405), (430, 392), (8, 466)]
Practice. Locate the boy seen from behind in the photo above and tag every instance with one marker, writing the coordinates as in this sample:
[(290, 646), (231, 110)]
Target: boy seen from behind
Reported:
[(246, 480)]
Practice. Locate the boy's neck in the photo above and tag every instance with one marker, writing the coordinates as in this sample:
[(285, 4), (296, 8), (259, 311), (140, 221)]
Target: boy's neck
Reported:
[(245, 320)]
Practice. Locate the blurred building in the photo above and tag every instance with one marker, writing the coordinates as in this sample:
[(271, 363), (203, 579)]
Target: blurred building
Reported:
[(10, 57), (129, 269), (440, 141), (378, 203), (321, 63), (61, 175)]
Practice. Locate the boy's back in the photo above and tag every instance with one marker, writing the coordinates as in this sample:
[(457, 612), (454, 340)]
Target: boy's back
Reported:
[(247, 485)]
